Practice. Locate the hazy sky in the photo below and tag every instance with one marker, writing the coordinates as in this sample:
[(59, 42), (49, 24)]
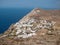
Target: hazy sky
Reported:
[(29, 3)]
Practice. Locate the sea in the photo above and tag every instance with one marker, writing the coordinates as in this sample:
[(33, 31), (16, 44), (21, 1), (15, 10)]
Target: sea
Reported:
[(9, 16)]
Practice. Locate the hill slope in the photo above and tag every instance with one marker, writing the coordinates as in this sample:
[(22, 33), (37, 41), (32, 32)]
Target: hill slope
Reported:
[(39, 27)]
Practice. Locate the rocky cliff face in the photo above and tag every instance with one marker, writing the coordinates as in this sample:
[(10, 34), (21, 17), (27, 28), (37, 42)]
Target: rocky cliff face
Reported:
[(39, 27)]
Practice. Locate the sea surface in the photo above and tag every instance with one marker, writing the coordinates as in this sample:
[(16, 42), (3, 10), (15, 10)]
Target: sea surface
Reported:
[(9, 16)]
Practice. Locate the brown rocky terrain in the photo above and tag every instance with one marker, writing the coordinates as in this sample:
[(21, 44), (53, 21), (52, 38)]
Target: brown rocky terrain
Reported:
[(39, 27)]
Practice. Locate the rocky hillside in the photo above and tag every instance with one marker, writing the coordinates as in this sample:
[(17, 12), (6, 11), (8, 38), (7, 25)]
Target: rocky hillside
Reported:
[(39, 27)]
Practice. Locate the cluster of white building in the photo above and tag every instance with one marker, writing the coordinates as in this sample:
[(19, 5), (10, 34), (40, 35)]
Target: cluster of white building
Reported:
[(45, 24), (26, 30)]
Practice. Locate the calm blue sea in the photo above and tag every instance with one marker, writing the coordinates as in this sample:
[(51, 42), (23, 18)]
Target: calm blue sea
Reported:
[(9, 16)]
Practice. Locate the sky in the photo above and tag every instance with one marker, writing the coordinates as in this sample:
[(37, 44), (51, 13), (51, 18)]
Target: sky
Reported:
[(30, 3)]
